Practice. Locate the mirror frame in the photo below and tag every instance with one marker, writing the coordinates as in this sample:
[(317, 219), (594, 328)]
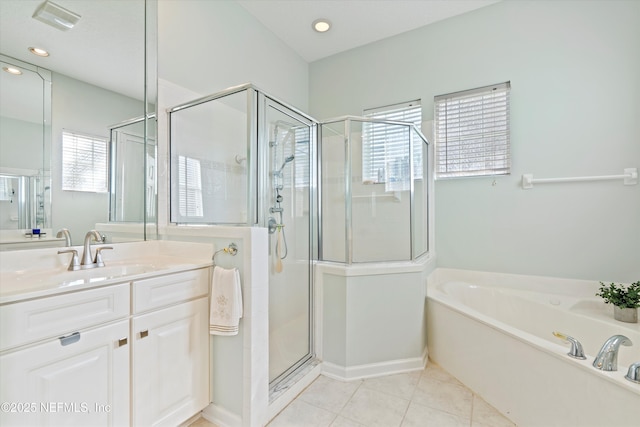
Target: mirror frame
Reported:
[(44, 169)]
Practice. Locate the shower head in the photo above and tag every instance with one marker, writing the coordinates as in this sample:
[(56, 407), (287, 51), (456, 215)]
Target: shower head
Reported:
[(286, 160)]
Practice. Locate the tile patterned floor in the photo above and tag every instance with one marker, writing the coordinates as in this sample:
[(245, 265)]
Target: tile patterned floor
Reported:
[(425, 398)]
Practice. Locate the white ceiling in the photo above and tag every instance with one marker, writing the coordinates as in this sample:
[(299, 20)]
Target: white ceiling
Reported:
[(106, 47), (355, 22)]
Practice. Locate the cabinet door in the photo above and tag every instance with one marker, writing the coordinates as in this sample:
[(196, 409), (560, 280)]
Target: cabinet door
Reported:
[(81, 380), (170, 364)]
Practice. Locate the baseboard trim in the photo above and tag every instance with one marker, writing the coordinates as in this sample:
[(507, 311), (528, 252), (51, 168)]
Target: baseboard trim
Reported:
[(221, 417), (371, 370)]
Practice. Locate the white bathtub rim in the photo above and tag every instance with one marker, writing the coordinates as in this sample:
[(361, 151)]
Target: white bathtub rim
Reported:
[(556, 350), (598, 316), (545, 284), (560, 287)]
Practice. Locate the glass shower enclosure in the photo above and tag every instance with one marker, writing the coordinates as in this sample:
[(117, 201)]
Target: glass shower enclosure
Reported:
[(373, 191), (243, 158), (349, 190)]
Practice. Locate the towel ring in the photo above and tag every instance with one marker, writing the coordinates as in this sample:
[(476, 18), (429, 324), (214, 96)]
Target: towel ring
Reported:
[(232, 250)]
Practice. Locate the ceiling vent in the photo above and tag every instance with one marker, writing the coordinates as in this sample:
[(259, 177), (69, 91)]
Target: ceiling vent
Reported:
[(56, 16)]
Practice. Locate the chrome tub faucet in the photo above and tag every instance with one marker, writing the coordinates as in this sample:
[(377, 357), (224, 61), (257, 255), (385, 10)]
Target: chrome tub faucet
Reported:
[(607, 358), (576, 350)]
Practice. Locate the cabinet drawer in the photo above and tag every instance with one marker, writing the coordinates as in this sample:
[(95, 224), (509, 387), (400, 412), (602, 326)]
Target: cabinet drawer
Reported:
[(30, 321), (164, 290)]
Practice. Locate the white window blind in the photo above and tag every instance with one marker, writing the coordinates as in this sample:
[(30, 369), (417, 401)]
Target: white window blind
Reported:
[(6, 189), (385, 147), (84, 163), (302, 162), (189, 187), (472, 132)]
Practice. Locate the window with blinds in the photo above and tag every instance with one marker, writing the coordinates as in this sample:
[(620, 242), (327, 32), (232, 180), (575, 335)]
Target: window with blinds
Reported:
[(385, 147), (472, 132), (84, 163), (189, 187), (302, 161)]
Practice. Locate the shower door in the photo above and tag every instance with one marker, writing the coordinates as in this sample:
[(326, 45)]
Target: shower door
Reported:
[(285, 203)]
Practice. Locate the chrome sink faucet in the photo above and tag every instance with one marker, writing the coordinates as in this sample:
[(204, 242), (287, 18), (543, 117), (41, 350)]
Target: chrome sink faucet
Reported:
[(607, 358), (87, 261), (64, 232)]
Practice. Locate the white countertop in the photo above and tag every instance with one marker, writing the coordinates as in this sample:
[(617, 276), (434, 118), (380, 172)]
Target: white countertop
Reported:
[(38, 273)]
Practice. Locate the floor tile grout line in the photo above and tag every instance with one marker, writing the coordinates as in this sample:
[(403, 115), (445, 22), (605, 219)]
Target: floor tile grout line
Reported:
[(361, 385), (406, 410), (395, 395), (351, 397), (456, 383), (413, 392)]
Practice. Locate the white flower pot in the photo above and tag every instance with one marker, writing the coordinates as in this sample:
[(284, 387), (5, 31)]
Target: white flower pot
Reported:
[(623, 314)]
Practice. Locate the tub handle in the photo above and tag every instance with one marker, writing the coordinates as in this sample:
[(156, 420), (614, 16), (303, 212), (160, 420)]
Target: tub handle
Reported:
[(576, 350), (633, 374)]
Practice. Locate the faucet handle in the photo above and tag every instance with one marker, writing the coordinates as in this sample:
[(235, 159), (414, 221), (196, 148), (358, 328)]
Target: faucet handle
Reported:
[(576, 350), (633, 374), (98, 259), (75, 262)]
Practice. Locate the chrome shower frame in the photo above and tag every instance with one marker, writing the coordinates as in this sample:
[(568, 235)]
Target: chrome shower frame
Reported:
[(259, 176), (348, 169)]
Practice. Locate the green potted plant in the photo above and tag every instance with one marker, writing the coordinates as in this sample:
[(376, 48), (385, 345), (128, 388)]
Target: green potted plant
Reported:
[(625, 300)]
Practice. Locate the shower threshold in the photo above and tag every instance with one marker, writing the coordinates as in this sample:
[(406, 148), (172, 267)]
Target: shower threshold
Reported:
[(281, 386)]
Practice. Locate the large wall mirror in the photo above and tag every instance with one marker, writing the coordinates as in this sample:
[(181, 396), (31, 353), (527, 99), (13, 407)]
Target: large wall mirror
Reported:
[(77, 127)]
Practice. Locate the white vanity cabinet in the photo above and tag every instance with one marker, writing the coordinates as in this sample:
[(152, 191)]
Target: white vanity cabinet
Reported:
[(134, 353), (76, 373), (170, 347)]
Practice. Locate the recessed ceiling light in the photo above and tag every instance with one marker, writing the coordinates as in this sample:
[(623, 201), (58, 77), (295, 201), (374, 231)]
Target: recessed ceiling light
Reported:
[(38, 51), (12, 70), (321, 25), (56, 16)]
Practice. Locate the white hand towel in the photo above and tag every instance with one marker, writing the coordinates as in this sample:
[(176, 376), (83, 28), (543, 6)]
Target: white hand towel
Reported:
[(226, 302)]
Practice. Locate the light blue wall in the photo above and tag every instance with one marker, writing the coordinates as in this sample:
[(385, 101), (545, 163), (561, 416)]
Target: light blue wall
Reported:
[(87, 109), (207, 46), (372, 321), (575, 111)]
